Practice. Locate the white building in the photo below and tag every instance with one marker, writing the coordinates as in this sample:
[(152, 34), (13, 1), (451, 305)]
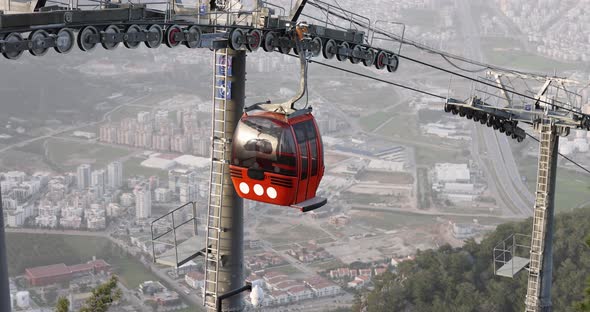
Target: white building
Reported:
[(188, 193), (98, 178), (114, 210), (144, 117), (95, 218), (83, 176), (162, 195), (143, 202), (322, 287), (127, 199), (299, 293), (46, 221), (446, 172), (195, 279), (384, 165), (15, 218), (71, 222), (115, 175), (15, 176)]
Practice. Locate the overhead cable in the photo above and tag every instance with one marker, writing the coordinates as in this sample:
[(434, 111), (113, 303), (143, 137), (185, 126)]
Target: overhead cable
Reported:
[(429, 94)]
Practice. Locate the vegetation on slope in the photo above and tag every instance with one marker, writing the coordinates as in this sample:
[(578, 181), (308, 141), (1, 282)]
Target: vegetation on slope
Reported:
[(462, 279)]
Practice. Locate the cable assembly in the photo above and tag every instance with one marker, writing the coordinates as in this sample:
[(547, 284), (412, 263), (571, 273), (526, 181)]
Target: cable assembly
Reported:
[(425, 93)]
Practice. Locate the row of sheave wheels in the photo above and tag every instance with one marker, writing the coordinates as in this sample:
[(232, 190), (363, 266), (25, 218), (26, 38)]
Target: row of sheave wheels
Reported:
[(63, 40), (330, 48)]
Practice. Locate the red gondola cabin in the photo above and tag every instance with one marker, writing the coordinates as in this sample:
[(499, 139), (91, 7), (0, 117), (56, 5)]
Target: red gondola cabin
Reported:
[(278, 159)]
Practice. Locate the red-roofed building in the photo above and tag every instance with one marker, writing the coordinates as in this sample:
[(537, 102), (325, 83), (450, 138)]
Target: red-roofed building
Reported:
[(279, 297), (359, 281), (343, 273), (45, 275), (379, 271), (277, 279), (57, 273), (299, 293), (285, 285), (272, 274), (365, 272), (322, 287)]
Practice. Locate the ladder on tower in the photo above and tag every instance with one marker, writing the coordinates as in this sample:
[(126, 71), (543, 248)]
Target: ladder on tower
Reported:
[(219, 166), (542, 203)]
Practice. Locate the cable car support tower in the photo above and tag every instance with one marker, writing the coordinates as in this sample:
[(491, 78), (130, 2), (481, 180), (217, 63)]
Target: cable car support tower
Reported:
[(552, 112)]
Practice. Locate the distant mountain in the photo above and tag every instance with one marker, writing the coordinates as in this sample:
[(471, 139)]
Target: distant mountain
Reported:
[(461, 279)]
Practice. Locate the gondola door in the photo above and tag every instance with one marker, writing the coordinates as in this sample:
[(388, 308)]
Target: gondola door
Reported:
[(308, 167)]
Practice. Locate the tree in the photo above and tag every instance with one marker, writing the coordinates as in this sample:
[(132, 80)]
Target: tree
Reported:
[(463, 280), (584, 305), (103, 296), (63, 305)]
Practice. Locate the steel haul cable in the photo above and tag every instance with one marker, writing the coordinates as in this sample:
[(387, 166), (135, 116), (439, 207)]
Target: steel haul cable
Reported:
[(429, 94)]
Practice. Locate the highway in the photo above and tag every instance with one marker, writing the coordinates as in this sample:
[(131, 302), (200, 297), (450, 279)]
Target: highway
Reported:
[(507, 176)]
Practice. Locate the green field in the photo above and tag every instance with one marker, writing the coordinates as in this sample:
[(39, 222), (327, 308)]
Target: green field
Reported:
[(328, 265), (510, 52), (125, 112), (29, 250), (70, 154), (429, 19), (295, 233), (429, 156), (573, 188), (392, 220), (404, 126), (132, 167), (372, 121)]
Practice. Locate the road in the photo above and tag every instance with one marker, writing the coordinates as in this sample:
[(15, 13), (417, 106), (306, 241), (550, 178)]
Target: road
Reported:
[(161, 274), (507, 176), (432, 212)]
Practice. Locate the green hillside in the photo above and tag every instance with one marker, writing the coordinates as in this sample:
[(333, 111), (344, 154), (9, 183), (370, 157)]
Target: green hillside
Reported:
[(461, 279)]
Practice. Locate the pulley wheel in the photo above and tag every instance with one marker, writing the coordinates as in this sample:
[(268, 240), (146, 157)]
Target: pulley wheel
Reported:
[(37, 39), (157, 31), (394, 60), (84, 38), (254, 40), (358, 51), (235, 37), (171, 32), (65, 40), (316, 46), (490, 122), (131, 30), (13, 37), (195, 32), (380, 60), (269, 39), (369, 59), (329, 49), (342, 57), (284, 50), (109, 32)]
